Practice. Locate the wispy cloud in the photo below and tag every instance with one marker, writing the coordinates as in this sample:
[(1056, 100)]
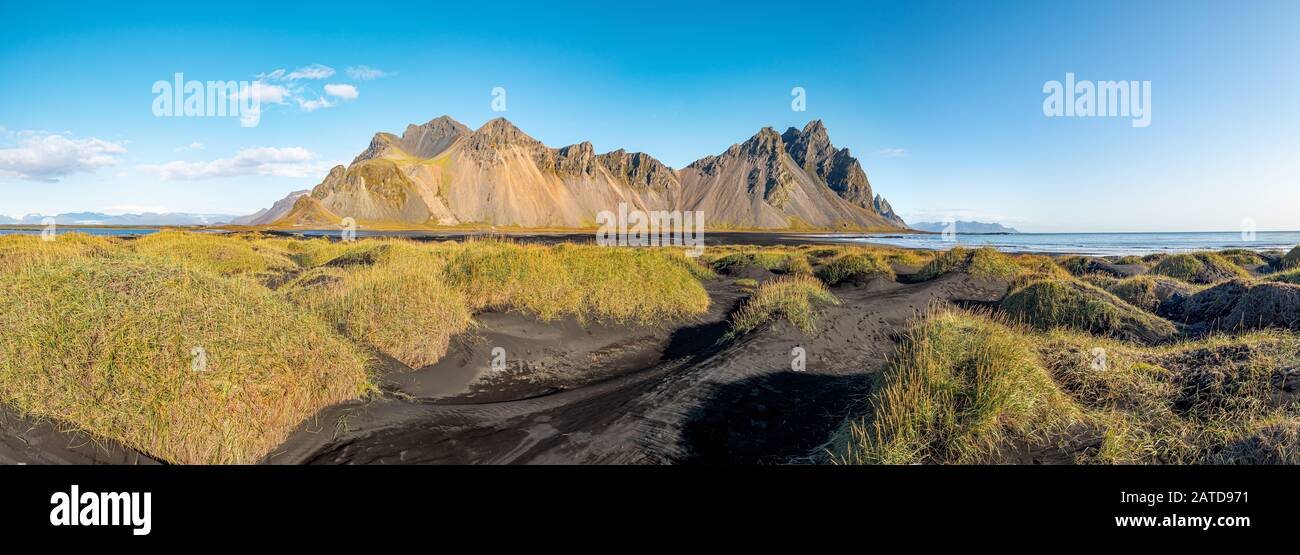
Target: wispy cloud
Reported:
[(316, 104), (44, 156), (282, 86), (192, 146), (270, 161), (891, 152), (313, 71), (367, 73)]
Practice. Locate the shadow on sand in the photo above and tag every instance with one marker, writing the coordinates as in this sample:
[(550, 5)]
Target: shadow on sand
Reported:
[(770, 419)]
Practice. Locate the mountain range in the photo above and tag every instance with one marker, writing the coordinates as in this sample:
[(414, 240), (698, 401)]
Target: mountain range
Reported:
[(444, 173), (964, 227)]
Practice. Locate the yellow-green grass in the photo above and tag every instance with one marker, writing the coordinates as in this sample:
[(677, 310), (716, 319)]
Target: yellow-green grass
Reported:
[(904, 257), (1050, 303), (639, 285), (1291, 260), (1102, 281), (746, 283), (1201, 268), (693, 264), (794, 297), (960, 389), (1080, 265), (225, 256), (798, 264), (967, 388), (1183, 403), (404, 309), (980, 263), (1130, 259), (1289, 276), (1247, 259), (1271, 440), (1139, 291), (18, 251), (855, 267), (767, 259), (111, 345), (365, 252)]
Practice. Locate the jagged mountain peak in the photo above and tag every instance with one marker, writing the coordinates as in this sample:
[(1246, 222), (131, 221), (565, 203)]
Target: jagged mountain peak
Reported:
[(445, 121), (640, 170), (583, 148), (433, 137), (501, 131)]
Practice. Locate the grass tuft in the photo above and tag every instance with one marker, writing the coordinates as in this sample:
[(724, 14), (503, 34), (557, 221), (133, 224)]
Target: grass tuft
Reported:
[(960, 389), (981, 263), (1201, 268), (1045, 304), (793, 297), (854, 267), (1291, 260)]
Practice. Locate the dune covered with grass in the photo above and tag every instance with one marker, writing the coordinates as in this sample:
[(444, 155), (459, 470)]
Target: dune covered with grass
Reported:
[(248, 347), (960, 387), (968, 387), (211, 348), (177, 362)]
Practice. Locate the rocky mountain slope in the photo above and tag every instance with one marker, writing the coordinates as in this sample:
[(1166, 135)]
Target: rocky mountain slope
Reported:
[(443, 173), (274, 213)]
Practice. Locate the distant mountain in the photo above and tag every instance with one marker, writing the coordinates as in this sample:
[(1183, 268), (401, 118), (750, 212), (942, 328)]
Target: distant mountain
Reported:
[(146, 219), (275, 212), (443, 173), (964, 227)]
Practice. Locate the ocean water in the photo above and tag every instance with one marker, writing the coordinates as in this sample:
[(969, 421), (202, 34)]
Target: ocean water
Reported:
[(86, 230), (1096, 244)]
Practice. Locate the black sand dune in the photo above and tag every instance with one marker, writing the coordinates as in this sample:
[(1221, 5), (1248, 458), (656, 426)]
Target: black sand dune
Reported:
[(598, 393), (694, 399)]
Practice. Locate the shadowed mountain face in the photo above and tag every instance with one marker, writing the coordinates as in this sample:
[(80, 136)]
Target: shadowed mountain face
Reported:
[(443, 173)]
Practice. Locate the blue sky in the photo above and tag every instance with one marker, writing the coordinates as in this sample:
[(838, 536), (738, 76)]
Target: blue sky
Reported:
[(942, 102)]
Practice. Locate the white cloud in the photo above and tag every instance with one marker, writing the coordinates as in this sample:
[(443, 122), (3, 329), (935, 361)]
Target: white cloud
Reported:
[(313, 105), (45, 156), (280, 162), (366, 73), (313, 71), (891, 152), (308, 99), (346, 92), (266, 93), (192, 146)]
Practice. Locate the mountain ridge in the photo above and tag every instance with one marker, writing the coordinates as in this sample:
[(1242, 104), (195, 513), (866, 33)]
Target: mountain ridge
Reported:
[(443, 173), (964, 227)]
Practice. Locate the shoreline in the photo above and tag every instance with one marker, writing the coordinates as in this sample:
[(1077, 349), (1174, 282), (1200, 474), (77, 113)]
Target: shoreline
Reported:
[(757, 238)]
